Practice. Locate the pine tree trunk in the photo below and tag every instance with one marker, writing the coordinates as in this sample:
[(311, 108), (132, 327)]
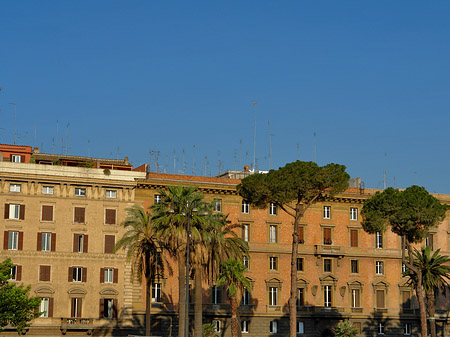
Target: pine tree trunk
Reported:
[(148, 306), (234, 319), (181, 294), (431, 305), (293, 293), (198, 309)]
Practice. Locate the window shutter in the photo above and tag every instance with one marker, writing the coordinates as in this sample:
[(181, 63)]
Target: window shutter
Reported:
[(110, 217), (18, 273), (101, 313), (110, 241), (75, 243), (301, 238), (6, 211), (380, 299), (20, 246), (84, 275), (53, 243), (327, 235), (85, 243), (354, 238), (114, 308), (47, 213), (5, 240), (72, 308), (22, 212), (115, 275), (50, 307), (39, 241), (71, 275), (102, 275), (22, 159), (79, 307)]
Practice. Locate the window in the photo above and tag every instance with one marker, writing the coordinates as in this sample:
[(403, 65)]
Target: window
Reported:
[(327, 212), (111, 194), (378, 240), (300, 263), (218, 205), (157, 198), (380, 299), (356, 298), (79, 215), (353, 238), (15, 158), (272, 209), (47, 213), (244, 326), (109, 275), (403, 268), (353, 213), (216, 324), (44, 273), (273, 295), (14, 212), (379, 270), (301, 235), (16, 273), (273, 234), (406, 299), (380, 329), (246, 262), (301, 297), (245, 297), (245, 207), (156, 292), (429, 241), (327, 301), (300, 327), (327, 236), (216, 295), (46, 307), (110, 217), (354, 266), (80, 243), (77, 274), (273, 263), (327, 265), (246, 232), (45, 243), (75, 307), (14, 187), (407, 329), (110, 242), (47, 190), (108, 308), (273, 327), (13, 240), (80, 192), (357, 326)]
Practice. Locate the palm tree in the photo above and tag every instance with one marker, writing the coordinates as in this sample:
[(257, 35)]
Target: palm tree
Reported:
[(232, 276), (143, 250), (435, 274), (177, 210)]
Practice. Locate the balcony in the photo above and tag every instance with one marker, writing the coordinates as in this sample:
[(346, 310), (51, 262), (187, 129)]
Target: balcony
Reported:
[(329, 250), (274, 308), (77, 323)]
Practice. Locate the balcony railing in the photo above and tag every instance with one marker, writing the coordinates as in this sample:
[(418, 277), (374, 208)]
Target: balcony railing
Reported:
[(77, 323)]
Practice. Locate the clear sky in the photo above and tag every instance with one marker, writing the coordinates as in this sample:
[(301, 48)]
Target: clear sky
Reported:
[(123, 78)]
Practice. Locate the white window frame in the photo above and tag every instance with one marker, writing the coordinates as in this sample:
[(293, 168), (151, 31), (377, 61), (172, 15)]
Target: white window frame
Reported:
[(379, 240), (13, 276), (325, 262), (15, 158), (354, 304), (108, 307), (80, 191), (13, 240), (272, 209), (353, 213), (111, 194), (48, 190), (156, 292), (356, 262), (217, 325), (245, 297), (157, 198), (273, 263), (43, 307), (407, 329), (80, 243), (215, 295), (46, 244), (379, 268), (77, 274), (15, 188), (300, 327), (109, 275), (245, 207), (14, 211), (403, 268), (273, 327), (273, 295), (244, 326), (273, 233), (380, 329), (327, 212), (246, 262), (75, 302), (246, 231), (218, 205), (327, 296)]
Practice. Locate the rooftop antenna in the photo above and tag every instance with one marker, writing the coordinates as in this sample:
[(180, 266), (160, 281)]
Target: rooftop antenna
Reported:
[(34, 127), (184, 163), (67, 138), (255, 104), (157, 153), (246, 157), (15, 122), (57, 132), (235, 159), (53, 144), (270, 147), (206, 160), (315, 147), (298, 151), (150, 153), (193, 160), (240, 154)]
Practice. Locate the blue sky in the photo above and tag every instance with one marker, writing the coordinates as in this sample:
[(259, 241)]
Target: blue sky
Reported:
[(123, 78)]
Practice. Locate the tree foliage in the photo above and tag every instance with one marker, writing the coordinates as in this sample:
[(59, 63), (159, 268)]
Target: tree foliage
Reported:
[(345, 329), (17, 308)]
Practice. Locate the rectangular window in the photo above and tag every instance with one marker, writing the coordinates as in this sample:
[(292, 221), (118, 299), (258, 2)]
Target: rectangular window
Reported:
[(301, 235), (300, 328), (327, 265), (110, 217), (15, 158), (272, 209), (273, 263), (353, 213), (80, 192), (244, 326), (111, 194), (48, 190), (156, 292), (16, 273), (327, 301), (79, 215), (246, 262), (327, 212), (109, 275), (407, 329), (157, 198), (246, 232), (245, 209), (14, 187), (108, 306), (44, 273), (75, 307), (273, 327), (429, 241), (380, 299), (13, 240), (354, 269), (406, 299), (353, 238), (110, 242), (218, 205), (273, 296), (47, 213), (216, 295), (245, 297), (327, 236), (46, 242), (80, 243), (273, 234), (380, 329), (77, 274), (378, 240), (44, 307), (403, 268), (300, 263), (356, 301), (15, 212), (301, 297), (379, 268), (216, 324)]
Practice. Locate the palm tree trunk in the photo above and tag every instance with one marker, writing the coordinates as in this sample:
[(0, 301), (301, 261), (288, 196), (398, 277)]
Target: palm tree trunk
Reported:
[(431, 305), (181, 294), (198, 310), (234, 318), (148, 305), (422, 308)]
